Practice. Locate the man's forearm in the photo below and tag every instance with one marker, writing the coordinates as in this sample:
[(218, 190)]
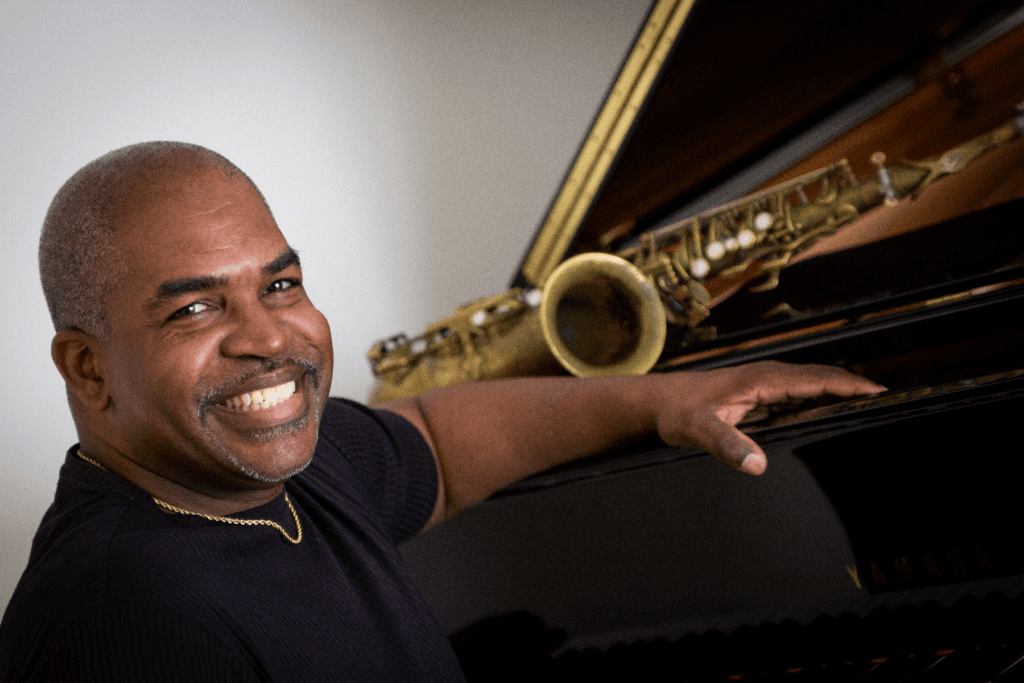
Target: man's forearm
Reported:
[(486, 435), (490, 434)]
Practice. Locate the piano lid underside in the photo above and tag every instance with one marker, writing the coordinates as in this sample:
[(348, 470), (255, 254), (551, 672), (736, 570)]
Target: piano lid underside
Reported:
[(743, 81)]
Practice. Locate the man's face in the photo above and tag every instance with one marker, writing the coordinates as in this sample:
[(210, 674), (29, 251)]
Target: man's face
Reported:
[(217, 363)]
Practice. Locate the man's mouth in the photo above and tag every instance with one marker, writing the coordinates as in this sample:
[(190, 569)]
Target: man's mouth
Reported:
[(261, 399)]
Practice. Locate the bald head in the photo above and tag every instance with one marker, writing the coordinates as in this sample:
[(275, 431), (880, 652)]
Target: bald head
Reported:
[(79, 258)]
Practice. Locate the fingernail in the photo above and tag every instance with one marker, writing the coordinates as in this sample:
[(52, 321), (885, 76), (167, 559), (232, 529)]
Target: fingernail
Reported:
[(754, 463)]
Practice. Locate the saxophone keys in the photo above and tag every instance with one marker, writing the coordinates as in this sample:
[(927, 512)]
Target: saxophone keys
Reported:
[(698, 293), (418, 346), (532, 297), (884, 180), (763, 221), (700, 267), (802, 196), (769, 283), (731, 243), (715, 250)]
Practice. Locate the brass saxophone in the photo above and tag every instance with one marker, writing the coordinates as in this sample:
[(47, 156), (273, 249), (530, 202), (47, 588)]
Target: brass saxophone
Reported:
[(603, 314)]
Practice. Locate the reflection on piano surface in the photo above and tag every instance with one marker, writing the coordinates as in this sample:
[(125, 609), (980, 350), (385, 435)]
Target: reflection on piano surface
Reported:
[(972, 640)]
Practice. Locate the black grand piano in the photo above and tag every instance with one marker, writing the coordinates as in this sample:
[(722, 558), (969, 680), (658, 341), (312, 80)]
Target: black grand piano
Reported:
[(883, 543)]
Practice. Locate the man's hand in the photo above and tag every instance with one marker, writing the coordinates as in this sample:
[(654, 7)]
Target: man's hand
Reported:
[(706, 415)]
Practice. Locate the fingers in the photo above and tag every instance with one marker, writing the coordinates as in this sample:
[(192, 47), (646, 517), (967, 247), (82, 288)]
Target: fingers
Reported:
[(776, 382), (722, 398)]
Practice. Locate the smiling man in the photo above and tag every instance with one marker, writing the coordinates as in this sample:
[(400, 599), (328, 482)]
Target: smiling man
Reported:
[(221, 518), (213, 356)]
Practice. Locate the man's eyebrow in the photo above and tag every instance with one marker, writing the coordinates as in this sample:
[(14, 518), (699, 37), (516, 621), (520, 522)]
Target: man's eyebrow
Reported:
[(186, 285), (288, 258), (172, 289)]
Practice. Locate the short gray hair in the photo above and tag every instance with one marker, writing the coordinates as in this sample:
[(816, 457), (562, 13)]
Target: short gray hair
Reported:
[(79, 259)]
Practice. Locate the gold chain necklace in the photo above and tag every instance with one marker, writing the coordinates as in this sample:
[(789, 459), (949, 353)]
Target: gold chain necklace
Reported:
[(213, 518)]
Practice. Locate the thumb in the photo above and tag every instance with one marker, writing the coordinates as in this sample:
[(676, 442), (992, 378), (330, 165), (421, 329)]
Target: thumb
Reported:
[(728, 444)]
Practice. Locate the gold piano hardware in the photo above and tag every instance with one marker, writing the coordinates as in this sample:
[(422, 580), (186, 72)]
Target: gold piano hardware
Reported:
[(938, 561), (607, 313), (610, 129)]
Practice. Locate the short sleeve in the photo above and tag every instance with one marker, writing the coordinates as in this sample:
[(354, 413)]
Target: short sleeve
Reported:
[(392, 459)]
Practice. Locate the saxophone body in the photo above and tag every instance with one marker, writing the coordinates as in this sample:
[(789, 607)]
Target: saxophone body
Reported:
[(607, 313)]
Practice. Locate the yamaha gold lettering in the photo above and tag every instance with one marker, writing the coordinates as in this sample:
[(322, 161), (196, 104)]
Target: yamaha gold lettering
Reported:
[(942, 565)]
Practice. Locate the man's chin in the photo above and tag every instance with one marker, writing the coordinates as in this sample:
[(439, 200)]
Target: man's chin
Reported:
[(268, 454), (270, 477), (288, 430)]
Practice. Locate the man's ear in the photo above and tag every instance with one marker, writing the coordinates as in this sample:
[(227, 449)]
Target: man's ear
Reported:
[(78, 357)]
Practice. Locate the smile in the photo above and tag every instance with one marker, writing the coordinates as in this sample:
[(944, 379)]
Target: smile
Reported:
[(262, 399)]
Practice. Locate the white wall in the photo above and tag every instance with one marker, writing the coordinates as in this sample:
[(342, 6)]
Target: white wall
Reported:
[(408, 149)]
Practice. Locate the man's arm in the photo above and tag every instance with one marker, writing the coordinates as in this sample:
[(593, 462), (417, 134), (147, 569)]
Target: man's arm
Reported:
[(486, 435)]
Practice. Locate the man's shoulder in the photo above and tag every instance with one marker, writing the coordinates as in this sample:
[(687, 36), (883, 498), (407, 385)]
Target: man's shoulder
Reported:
[(113, 559), (99, 539), (79, 535), (346, 421), (382, 460), (345, 411)]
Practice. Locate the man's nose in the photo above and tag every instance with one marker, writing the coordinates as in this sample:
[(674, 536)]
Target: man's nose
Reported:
[(255, 332)]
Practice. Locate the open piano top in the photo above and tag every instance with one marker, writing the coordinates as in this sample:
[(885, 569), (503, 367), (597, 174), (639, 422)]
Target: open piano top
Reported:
[(878, 517)]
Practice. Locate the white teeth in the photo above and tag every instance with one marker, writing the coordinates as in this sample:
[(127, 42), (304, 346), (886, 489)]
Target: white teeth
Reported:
[(262, 398)]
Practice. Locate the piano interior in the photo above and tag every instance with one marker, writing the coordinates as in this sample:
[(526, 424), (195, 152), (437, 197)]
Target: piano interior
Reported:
[(883, 541)]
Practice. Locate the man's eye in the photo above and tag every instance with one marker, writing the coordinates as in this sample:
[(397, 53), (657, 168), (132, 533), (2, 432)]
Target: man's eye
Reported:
[(282, 285), (186, 311)]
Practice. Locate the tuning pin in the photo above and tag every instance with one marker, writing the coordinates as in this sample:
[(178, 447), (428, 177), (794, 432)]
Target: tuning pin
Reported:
[(884, 181)]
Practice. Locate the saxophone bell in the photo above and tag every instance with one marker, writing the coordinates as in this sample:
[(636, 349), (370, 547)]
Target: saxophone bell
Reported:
[(600, 315)]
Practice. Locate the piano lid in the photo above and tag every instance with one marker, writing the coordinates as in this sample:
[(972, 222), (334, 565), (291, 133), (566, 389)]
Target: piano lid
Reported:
[(710, 88)]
